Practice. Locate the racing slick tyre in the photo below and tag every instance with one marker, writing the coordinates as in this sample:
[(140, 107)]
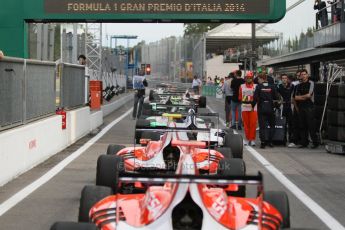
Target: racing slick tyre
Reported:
[(280, 201), (113, 149), (233, 167), (336, 133), (154, 136), (73, 226), (147, 109), (90, 195), (337, 90), (151, 96), (226, 152), (335, 103), (335, 118), (318, 110), (108, 167), (202, 102), (320, 88), (319, 100), (141, 123), (235, 142)]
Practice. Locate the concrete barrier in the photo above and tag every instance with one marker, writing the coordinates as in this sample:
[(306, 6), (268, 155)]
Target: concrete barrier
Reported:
[(109, 108), (96, 120), (24, 147), (78, 124)]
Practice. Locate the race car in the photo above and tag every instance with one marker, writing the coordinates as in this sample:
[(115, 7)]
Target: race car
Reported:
[(216, 137), (160, 154), (186, 200), (160, 100)]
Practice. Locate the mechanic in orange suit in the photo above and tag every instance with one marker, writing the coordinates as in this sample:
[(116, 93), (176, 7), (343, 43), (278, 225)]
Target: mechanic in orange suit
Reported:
[(249, 114)]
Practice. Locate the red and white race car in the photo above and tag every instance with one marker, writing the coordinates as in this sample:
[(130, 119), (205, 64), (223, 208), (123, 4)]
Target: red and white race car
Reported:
[(185, 200), (160, 155)]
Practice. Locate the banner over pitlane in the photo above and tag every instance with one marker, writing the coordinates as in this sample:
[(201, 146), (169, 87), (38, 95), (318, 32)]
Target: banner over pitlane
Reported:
[(158, 6), (164, 10), (14, 14)]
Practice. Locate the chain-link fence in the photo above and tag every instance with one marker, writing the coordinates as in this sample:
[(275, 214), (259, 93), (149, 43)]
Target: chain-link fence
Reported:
[(199, 59), (26, 91), (172, 58)]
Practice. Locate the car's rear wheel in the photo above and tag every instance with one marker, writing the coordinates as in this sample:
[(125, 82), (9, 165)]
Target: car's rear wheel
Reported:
[(73, 226), (90, 195), (108, 167), (141, 124), (233, 167), (280, 201), (235, 143), (147, 110), (154, 136), (202, 102), (226, 152), (113, 149)]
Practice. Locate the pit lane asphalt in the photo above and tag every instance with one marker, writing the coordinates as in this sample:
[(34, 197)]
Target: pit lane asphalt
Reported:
[(317, 173)]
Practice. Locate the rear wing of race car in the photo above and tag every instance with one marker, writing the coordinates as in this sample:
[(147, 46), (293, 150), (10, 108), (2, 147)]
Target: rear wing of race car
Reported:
[(209, 180), (198, 179), (193, 127)]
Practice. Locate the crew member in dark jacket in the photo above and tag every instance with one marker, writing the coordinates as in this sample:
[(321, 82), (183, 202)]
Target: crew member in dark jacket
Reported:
[(235, 102), (322, 14), (265, 96), (304, 97), (285, 90)]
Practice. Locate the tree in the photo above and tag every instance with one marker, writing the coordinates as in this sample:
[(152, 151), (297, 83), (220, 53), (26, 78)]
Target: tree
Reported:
[(57, 42), (289, 44), (198, 28), (295, 44), (310, 32)]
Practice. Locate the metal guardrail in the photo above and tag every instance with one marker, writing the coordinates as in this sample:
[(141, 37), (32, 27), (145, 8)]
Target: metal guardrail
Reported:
[(26, 91), (72, 85), (331, 14)]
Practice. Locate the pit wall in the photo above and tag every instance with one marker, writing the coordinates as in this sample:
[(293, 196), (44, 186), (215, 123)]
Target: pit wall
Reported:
[(25, 147)]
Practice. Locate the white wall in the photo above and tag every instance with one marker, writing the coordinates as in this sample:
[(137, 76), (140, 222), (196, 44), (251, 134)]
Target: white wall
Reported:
[(24, 147), (215, 66), (109, 108), (96, 120)]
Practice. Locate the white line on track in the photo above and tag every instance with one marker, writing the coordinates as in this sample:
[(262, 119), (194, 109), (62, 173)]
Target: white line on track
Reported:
[(321, 213), (25, 192)]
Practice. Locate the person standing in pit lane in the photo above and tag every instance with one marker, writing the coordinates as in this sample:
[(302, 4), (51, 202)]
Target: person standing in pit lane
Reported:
[(295, 119), (196, 84), (263, 70), (249, 113), (235, 103), (285, 90), (139, 84), (265, 96), (227, 91), (304, 97)]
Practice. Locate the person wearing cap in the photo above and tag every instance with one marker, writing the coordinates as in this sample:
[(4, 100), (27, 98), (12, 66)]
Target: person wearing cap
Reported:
[(263, 70), (249, 113), (264, 97)]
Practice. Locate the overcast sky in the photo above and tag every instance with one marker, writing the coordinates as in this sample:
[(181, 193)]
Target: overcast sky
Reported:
[(294, 22)]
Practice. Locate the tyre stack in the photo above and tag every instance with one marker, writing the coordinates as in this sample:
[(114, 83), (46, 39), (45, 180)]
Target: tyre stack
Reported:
[(336, 113), (319, 103)]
